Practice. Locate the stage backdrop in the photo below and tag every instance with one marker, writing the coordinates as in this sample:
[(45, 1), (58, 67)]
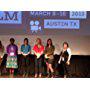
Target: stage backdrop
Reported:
[(80, 45), (60, 26), (45, 22)]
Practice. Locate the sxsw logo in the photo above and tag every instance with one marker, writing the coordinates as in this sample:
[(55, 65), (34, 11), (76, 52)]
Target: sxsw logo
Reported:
[(10, 17)]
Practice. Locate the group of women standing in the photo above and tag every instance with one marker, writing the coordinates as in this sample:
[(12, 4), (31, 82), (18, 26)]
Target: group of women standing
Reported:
[(39, 50)]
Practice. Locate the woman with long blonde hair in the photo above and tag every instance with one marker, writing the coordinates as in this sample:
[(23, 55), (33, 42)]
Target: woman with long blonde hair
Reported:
[(38, 51)]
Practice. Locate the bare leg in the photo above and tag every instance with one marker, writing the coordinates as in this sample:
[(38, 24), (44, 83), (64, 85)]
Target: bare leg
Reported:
[(36, 75), (11, 75), (48, 70), (51, 69), (40, 75)]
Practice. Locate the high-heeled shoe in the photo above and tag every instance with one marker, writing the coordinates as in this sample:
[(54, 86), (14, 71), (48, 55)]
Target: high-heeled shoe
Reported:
[(52, 75)]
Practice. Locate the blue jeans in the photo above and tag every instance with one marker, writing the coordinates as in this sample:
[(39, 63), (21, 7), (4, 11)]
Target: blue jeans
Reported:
[(38, 65)]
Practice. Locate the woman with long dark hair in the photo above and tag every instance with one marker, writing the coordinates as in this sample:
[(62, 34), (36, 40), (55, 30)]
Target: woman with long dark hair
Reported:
[(49, 57), (65, 59), (25, 51), (38, 51)]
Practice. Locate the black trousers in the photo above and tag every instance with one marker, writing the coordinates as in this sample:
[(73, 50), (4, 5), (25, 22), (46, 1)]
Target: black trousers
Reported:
[(66, 68), (25, 64)]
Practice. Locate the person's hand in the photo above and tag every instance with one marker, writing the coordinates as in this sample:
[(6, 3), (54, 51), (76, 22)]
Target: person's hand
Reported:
[(38, 55), (68, 62), (1, 57), (59, 62), (46, 56), (25, 55)]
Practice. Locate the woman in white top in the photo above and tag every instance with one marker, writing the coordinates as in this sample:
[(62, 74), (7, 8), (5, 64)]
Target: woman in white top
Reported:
[(65, 59)]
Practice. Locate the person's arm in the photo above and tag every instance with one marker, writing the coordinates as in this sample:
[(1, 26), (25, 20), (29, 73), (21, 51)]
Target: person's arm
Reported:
[(45, 51), (3, 51), (22, 50), (69, 52), (37, 54), (7, 49), (34, 50), (29, 50), (69, 57), (60, 58), (17, 49), (42, 50)]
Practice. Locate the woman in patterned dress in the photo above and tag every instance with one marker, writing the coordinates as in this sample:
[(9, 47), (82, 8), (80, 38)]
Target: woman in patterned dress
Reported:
[(12, 51)]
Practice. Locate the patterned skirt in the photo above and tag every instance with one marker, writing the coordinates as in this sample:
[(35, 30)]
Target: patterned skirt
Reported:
[(11, 62)]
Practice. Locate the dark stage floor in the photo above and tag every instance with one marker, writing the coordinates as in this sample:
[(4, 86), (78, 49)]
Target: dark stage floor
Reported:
[(79, 67)]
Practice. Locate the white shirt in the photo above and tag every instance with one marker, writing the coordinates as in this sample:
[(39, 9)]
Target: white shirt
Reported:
[(69, 57)]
